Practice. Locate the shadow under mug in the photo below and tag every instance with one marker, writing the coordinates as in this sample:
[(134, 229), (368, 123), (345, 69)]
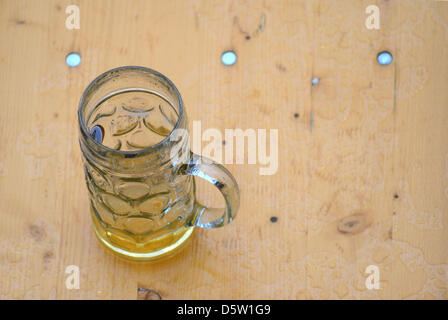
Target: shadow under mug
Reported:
[(143, 202)]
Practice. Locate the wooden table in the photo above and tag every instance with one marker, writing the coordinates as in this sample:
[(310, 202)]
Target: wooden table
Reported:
[(363, 154)]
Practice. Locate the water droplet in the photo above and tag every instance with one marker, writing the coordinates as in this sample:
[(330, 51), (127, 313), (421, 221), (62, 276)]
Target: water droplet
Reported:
[(73, 59), (315, 81), (384, 58), (228, 58)]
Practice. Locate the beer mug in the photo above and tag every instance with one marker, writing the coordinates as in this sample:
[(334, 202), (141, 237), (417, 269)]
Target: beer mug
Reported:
[(139, 168)]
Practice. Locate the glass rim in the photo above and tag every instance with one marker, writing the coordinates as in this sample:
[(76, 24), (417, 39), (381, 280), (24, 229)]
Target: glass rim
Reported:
[(132, 152)]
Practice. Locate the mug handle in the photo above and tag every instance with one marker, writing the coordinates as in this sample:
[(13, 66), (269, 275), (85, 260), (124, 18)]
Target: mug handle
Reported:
[(220, 177)]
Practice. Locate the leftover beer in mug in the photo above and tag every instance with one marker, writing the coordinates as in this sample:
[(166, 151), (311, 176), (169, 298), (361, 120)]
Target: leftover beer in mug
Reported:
[(139, 169)]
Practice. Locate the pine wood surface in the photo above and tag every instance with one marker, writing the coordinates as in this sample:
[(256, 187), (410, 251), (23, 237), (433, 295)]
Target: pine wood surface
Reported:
[(367, 144)]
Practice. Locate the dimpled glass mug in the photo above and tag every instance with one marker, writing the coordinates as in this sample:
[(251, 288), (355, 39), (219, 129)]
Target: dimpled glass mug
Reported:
[(139, 169)]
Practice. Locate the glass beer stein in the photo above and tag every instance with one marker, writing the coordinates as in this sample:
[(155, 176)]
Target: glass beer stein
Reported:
[(139, 168)]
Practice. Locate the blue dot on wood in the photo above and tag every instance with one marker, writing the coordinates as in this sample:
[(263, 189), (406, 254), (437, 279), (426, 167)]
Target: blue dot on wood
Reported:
[(228, 58), (73, 59), (384, 58)]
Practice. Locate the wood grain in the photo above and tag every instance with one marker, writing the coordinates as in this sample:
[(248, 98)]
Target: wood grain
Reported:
[(363, 155)]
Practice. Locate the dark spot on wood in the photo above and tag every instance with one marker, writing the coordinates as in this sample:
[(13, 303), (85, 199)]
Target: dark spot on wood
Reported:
[(247, 35), (353, 224), (223, 142), (147, 294), (396, 196), (391, 233), (48, 255), (296, 115), (38, 233), (58, 7), (20, 22), (341, 249), (311, 120), (55, 114), (281, 67), (274, 219)]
